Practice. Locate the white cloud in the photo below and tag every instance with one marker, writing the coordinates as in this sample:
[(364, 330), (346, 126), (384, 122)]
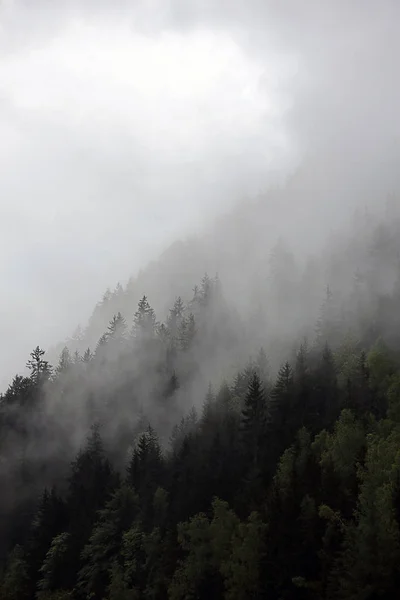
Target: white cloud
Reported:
[(125, 124), (112, 142)]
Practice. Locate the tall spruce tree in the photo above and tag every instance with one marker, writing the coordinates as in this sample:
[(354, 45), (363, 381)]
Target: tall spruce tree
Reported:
[(253, 421)]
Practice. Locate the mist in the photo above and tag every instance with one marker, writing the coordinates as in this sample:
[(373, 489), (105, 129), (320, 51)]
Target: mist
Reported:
[(200, 267), (114, 142), (124, 128)]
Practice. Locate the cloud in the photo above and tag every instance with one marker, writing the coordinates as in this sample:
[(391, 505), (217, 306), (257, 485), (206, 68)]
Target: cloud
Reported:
[(115, 139), (124, 125)]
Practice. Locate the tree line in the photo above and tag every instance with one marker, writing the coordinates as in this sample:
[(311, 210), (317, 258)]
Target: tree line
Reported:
[(269, 483)]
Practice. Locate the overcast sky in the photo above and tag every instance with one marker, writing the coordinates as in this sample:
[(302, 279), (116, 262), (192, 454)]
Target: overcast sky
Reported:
[(126, 124)]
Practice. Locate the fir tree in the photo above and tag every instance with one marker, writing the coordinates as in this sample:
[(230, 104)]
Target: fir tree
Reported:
[(280, 419), (65, 362), (144, 320), (253, 419), (40, 369)]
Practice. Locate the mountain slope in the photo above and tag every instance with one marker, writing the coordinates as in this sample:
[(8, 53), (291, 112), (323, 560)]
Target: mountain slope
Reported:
[(302, 352)]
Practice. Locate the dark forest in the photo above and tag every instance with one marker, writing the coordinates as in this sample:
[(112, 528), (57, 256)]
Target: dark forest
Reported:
[(149, 467)]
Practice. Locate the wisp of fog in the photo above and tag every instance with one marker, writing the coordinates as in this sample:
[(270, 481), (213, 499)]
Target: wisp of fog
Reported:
[(125, 127)]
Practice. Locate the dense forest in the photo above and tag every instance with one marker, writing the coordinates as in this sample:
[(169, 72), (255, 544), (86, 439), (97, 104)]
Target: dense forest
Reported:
[(229, 449)]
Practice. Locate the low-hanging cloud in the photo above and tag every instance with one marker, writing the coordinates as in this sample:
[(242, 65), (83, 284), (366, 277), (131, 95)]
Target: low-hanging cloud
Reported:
[(124, 126), (114, 142)]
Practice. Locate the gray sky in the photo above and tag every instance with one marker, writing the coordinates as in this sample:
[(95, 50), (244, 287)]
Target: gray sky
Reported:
[(126, 124)]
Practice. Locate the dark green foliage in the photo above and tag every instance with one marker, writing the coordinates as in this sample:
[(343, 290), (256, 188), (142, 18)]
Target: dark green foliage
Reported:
[(15, 578), (306, 524), (104, 543), (51, 573)]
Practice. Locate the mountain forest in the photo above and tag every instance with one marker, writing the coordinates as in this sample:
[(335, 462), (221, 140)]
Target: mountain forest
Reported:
[(239, 438)]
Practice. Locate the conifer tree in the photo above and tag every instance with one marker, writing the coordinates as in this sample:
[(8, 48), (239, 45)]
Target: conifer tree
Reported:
[(303, 409), (91, 483), (253, 419), (53, 575), (187, 332), (117, 327), (65, 362), (223, 400), (104, 543), (281, 426), (146, 469), (87, 356), (262, 366), (175, 316), (40, 369), (50, 519), (15, 583), (144, 320)]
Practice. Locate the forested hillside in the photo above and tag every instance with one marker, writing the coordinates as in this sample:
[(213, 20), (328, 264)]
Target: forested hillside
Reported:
[(243, 442)]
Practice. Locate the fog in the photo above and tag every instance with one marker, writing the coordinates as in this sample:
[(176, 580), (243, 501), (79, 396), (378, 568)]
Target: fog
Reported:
[(209, 190), (123, 128)]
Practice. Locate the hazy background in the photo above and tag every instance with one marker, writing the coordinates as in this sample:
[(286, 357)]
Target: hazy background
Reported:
[(124, 125)]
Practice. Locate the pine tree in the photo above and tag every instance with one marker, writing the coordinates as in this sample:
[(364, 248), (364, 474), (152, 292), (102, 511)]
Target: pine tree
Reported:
[(87, 356), (15, 579), (146, 469), (327, 406), (359, 396), (242, 569), (117, 327), (90, 485), (105, 541), (175, 316), (172, 386), (65, 362), (281, 426), (303, 409), (49, 520), (52, 570), (40, 369), (195, 576), (241, 384), (101, 347), (223, 401), (187, 332), (206, 289), (253, 421), (262, 366), (208, 408), (19, 392), (119, 589), (144, 320)]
